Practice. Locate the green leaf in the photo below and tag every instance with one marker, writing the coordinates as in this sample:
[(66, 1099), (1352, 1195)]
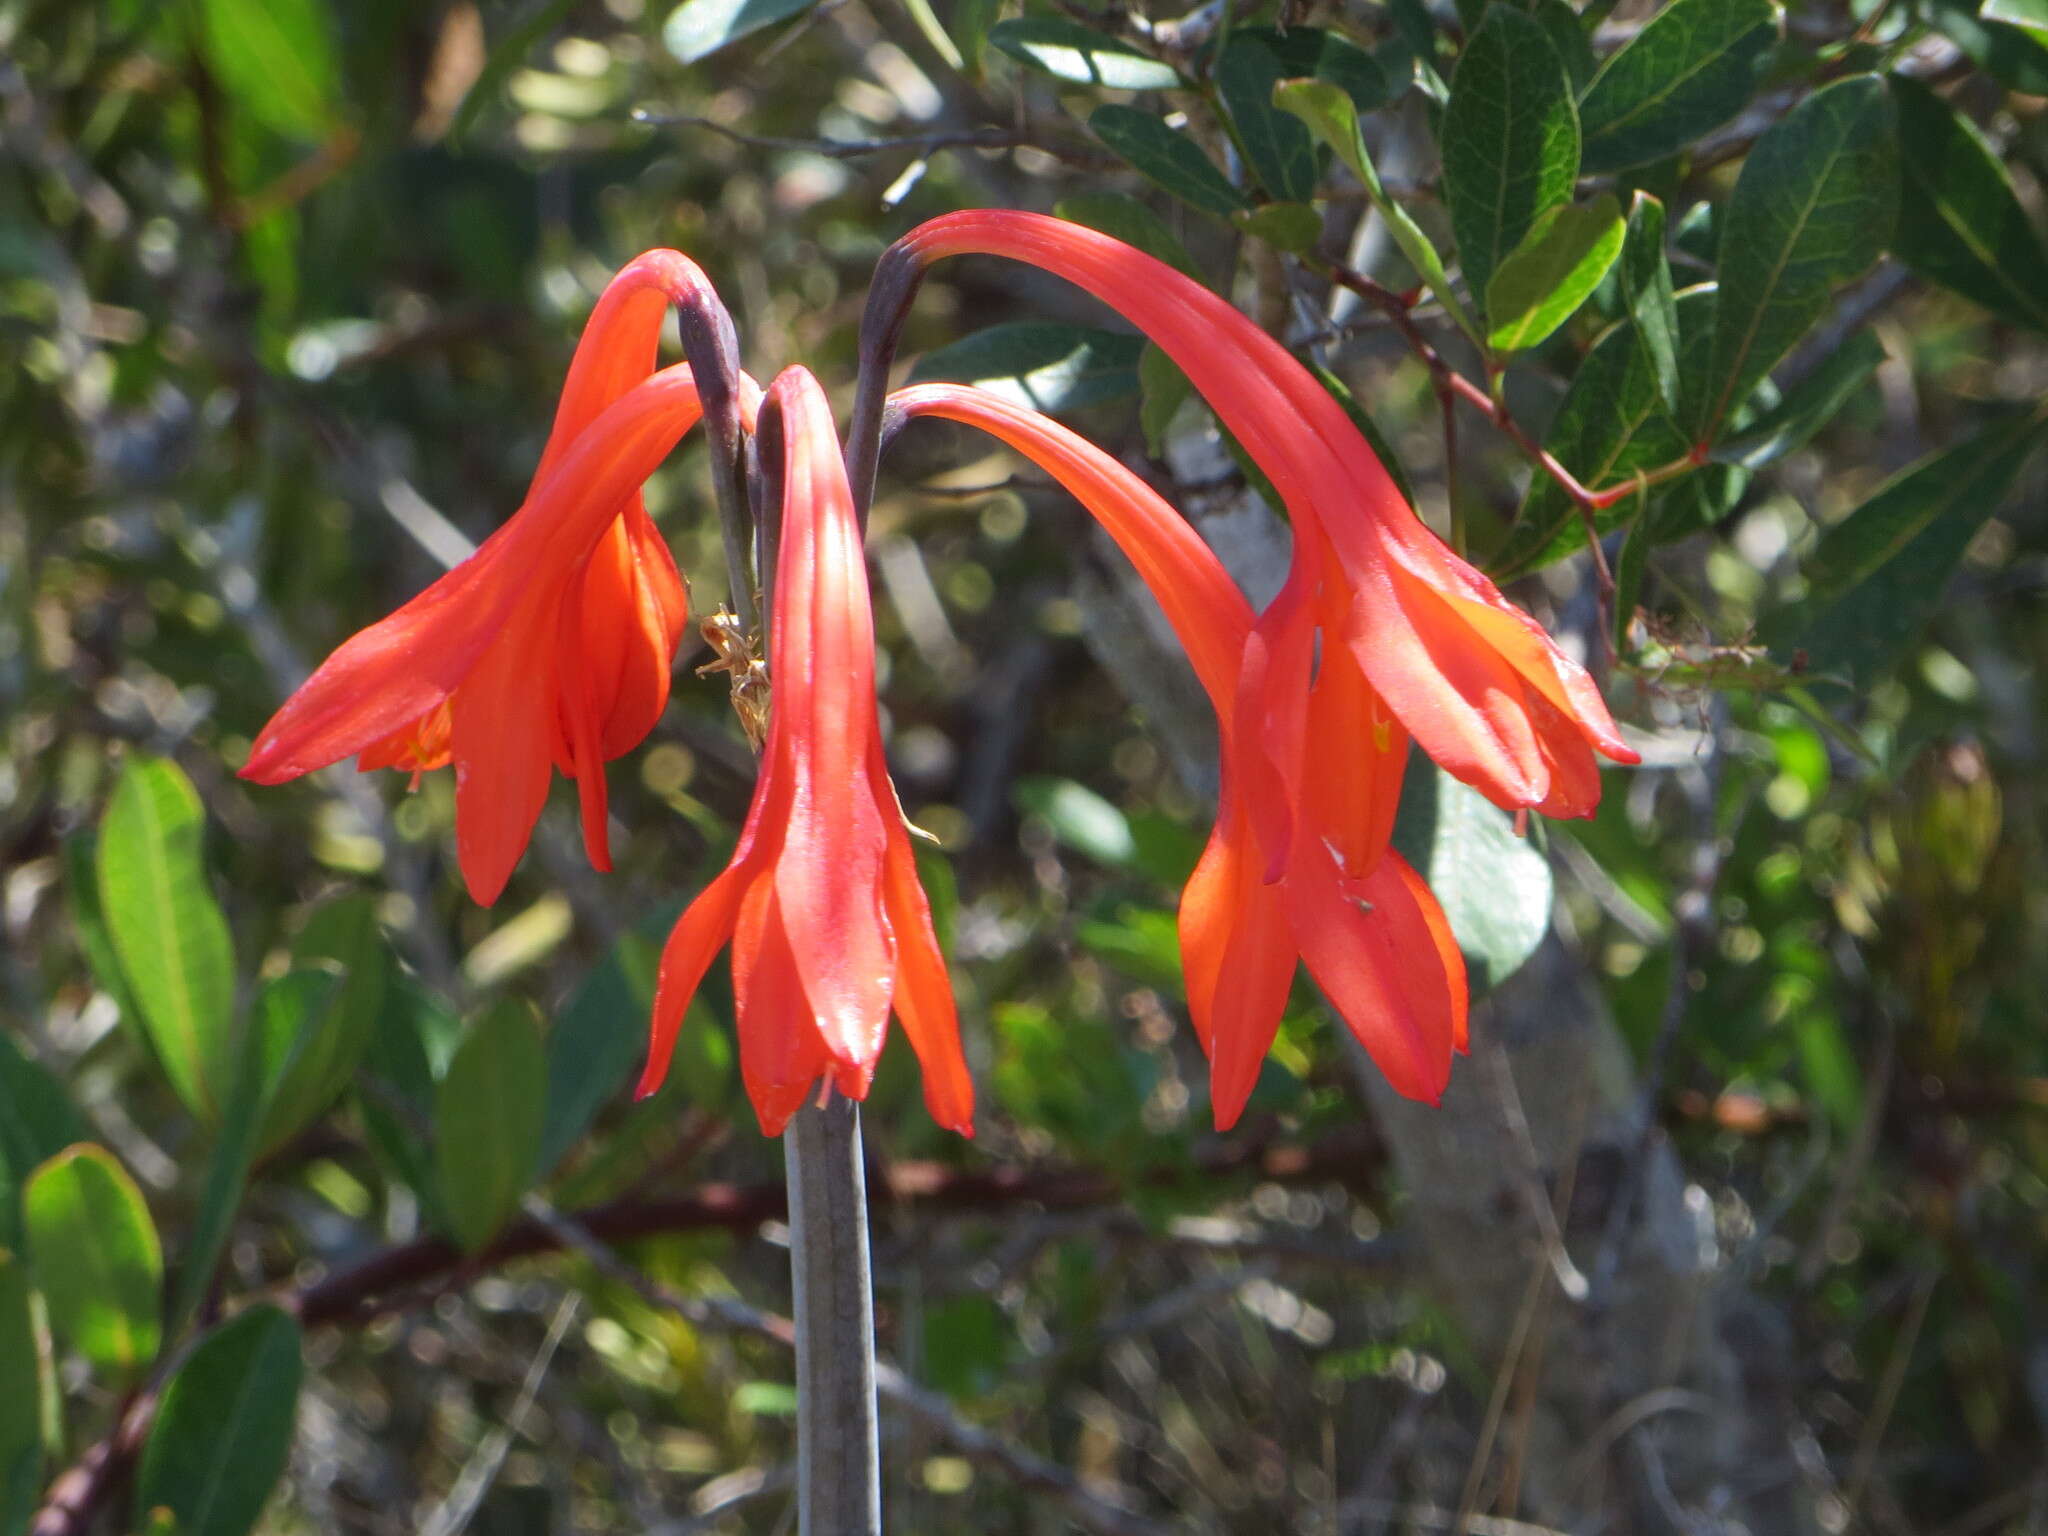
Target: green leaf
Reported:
[(1172, 160), (397, 1083), (1078, 817), (1813, 207), (2030, 16), (276, 59), (1817, 399), (1276, 146), (696, 29), (1162, 390), (1324, 55), (1292, 227), (488, 1117), (1369, 429), (1332, 116), (1069, 51), (1878, 577), (290, 1016), (597, 1041), (21, 1418), (224, 1430), (1552, 272), (1143, 942), (510, 54), (1567, 34), (82, 887), (1128, 220), (342, 935), (1960, 222), (37, 1121), (170, 936), (1041, 364), (1510, 140), (1690, 69), (2013, 56), (1494, 887), (1648, 297), (971, 22), (97, 1259), (1611, 422)]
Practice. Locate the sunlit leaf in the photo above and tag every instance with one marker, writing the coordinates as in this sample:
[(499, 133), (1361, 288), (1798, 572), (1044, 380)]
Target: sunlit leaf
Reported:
[(1041, 364), (97, 1260), (1691, 68), (1555, 269), (1495, 887), (1068, 50), (1078, 817), (1171, 159), (696, 29), (276, 59)]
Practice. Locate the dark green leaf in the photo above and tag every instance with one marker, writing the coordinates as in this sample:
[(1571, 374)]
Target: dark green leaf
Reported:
[(1813, 208), (1960, 223), (511, 52), (37, 1121), (21, 1419), (1495, 887), (1552, 272), (169, 934), (1279, 150), (97, 1260), (487, 1122), (396, 1085), (1069, 51), (1510, 140), (597, 1041), (1171, 159), (1078, 817), (697, 29), (1292, 227), (2030, 16), (276, 59), (1808, 407), (1567, 34), (224, 1429), (1648, 298), (1878, 577), (1130, 221), (1367, 428), (1628, 579), (1163, 389), (1324, 55), (342, 935), (1690, 69), (971, 22), (2013, 56), (1041, 364)]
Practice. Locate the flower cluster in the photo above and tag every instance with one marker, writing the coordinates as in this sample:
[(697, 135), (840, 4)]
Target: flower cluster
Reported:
[(551, 648)]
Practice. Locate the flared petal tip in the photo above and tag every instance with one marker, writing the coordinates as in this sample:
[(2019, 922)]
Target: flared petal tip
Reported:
[(650, 1082)]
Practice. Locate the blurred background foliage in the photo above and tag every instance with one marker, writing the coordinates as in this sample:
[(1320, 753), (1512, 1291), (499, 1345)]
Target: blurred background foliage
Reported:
[(321, 1203)]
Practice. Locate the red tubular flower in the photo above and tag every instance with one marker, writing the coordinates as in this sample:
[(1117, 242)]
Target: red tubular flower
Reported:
[(829, 925), (550, 646), (1475, 679), (1369, 929)]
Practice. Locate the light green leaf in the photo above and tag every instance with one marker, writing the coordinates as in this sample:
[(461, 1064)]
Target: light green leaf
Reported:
[(1170, 159), (1494, 887), (2030, 16), (276, 59), (1510, 139), (1068, 50), (1162, 390), (1878, 576), (1816, 401), (82, 887), (1143, 942), (169, 935), (696, 29), (1128, 220), (1813, 208), (971, 22), (488, 1117), (1690, 69), (1041, 364), (1960, 222), (1292, 227), (222, 1434), (1552, 272), (1277, 147), (97, 1260), (1078, 817), (1648, 297)]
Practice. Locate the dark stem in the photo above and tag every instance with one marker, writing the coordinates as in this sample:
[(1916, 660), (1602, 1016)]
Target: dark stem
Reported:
[(713, 349), (897, 278), (838, 1441)]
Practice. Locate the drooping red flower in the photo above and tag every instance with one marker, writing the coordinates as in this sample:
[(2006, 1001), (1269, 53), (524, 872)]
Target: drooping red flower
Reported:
[(1476, 680), (550, 647), (829, 925), (1341, 899)]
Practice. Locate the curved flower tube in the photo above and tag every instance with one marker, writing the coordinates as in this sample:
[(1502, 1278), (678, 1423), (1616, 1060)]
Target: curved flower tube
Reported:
[(550, 646), (1368, 927), (1478, 682), (829, 926)]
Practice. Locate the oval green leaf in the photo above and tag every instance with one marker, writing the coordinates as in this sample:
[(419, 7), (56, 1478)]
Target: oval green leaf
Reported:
[(1172, 160), (37, 1121), (1814, 207), (696, 29), (276, 60), (488, 1117), (97, 1259), (1043, 365), (1495, 887), (1648, 296), (1067, 50), (1078, 817), (1276, 146), (1510, 140), (222, 1434), (1552, 272), (1961, 223), (169, 935), (342, 938), (1690, 69)]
